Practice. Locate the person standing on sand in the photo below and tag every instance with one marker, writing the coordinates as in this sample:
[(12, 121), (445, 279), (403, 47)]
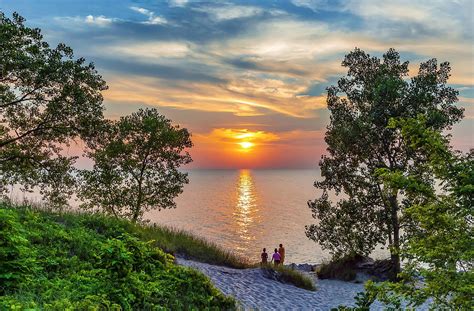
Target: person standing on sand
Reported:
[(281, 250), (264, 256), (276, 258)]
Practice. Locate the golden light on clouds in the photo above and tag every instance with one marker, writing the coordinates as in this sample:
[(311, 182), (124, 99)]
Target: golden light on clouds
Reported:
[(236, 145), (241, 97), (272, 78)]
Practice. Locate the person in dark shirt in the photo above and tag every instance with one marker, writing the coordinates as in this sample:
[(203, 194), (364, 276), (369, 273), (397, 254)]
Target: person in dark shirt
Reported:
[(264, 256)]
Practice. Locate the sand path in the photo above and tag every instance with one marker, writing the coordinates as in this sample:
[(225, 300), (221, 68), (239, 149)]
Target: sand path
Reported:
[(254, 291)]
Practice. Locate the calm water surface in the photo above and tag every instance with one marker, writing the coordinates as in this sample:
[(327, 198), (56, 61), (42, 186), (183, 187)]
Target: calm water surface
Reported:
[(246, 210)]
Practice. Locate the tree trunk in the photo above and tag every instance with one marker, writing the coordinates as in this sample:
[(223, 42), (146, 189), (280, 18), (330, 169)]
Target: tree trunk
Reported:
[(136, 212), (135, 216), (395, 247)]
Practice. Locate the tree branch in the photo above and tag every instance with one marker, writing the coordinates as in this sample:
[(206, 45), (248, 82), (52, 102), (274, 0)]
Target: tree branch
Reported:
[(23, 98), (39, 128)]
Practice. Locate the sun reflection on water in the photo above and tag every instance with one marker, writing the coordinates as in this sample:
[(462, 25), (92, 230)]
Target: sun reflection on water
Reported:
[(246, 207)]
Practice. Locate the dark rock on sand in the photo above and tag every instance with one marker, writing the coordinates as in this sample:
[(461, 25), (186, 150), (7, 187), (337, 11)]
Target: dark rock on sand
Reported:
[(302, 267)]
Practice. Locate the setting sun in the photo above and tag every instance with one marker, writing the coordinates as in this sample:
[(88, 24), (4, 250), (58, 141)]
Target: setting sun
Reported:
[(238, 141), (246, 144)]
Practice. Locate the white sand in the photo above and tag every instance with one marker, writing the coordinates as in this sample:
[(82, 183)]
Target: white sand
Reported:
[(254, 291)]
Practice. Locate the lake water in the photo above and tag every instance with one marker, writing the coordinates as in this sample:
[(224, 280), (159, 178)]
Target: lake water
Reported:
[(246, 210)]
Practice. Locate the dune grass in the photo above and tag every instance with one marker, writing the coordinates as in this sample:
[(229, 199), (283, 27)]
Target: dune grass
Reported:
[(185, 244), (288, 275)]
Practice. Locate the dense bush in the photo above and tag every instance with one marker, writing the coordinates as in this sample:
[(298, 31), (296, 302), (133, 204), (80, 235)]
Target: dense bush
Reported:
[(67, 261), (347, 267), (342, 269), (16, 258)]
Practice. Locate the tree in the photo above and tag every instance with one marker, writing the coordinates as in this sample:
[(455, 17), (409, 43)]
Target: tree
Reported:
[(360, 143), (439, 253), (136, 165), (47, 98), (440, 248)]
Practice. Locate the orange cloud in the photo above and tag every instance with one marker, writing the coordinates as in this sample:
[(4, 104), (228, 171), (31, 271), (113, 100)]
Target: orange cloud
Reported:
[(242, 97)]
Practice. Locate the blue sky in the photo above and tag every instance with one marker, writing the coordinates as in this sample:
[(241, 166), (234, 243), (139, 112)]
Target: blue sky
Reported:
[(252, 66)]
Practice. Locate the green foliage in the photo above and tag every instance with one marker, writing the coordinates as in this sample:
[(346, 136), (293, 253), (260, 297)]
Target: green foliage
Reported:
[(440, 248), (439, 251), (361, 145), (136, 165), (92, 262), (47, 98), (291, 276), (18, 260)]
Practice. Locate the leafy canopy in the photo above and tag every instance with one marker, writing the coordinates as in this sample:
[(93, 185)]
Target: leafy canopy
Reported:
[(360, 143), (136, 161), (439, 252), (47, 98), (440, 249)]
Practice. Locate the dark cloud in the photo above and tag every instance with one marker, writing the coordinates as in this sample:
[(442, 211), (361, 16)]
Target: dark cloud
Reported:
[(276, 67), (132, 67)]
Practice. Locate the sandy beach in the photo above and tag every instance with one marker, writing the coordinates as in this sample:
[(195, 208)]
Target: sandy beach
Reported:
[(255, 291)]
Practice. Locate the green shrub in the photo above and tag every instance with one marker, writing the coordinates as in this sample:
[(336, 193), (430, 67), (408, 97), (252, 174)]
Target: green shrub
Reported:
[(73, 261), (347, 267), (342, 269), (16, 258)]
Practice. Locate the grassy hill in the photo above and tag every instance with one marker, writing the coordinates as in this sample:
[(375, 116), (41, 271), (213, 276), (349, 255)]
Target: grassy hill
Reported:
[(59, 261)]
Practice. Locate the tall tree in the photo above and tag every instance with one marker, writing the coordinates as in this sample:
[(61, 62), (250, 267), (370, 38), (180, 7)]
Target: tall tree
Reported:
[(136, 165), (440, 247), (47, 98), (439, 252), (360, 143)]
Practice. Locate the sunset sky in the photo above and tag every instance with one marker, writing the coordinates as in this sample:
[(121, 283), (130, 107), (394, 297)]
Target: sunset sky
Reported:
[(248, 78)]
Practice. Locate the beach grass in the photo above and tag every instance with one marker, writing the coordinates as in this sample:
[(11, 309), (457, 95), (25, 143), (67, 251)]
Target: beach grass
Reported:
[(292, 276), (184, 244)]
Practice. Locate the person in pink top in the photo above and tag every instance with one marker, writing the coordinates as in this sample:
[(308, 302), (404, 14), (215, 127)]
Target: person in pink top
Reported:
[(276, 258)]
